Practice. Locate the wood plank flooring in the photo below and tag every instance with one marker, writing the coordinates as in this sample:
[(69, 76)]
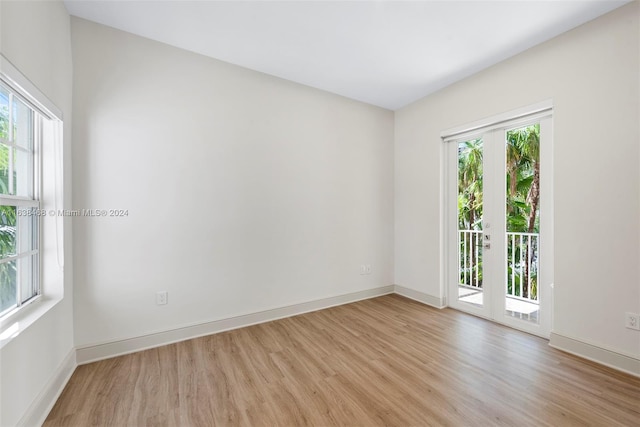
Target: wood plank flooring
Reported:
[(384, 361)]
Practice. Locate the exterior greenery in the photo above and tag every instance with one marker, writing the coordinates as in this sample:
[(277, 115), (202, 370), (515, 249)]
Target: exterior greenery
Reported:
[(522, 206), (7, 220)]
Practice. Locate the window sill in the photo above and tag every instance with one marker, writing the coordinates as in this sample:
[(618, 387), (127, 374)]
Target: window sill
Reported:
[(16, 323)]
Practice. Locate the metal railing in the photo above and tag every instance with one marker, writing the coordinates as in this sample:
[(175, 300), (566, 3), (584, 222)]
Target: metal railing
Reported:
[(521, 263), (470, 258), (522, 266)]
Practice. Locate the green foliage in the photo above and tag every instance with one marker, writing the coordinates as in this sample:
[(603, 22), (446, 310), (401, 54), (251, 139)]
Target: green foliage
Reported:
[(4, 122), (7, 222), (470, 200), (522, 170), (4, 150), (7, 248), (523, 179), (470, 185)]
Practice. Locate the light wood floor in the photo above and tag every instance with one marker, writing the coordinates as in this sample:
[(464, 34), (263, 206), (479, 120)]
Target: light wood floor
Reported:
[(385, 361)]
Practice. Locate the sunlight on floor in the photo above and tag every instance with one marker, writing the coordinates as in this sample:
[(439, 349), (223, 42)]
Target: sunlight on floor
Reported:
[(514, 307)]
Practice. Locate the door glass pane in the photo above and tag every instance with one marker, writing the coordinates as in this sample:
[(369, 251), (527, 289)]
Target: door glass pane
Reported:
[(523, 222), (470, 191)]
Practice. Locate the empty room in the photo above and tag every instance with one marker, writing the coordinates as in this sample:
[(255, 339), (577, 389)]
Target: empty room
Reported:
[(285, 213)]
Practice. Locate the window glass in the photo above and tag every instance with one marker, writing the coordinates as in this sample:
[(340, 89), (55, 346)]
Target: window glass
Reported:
[(4, 113), (19, 220), (8, 290), (22, 173), (7, 231), (23, 124)]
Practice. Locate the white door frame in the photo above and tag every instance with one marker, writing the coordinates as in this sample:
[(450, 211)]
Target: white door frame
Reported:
[(492, 130)]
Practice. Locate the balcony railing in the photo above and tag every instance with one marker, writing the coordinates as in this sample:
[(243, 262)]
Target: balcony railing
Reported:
[(470, 258), (522, 266), (521, 263)]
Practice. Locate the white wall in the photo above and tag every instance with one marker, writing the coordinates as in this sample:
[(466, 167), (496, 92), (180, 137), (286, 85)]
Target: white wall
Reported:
[(245, 192), (35, 37), (591, 73)]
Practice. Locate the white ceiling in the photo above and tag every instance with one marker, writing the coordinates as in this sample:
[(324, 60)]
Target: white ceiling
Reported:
[(386, 53)]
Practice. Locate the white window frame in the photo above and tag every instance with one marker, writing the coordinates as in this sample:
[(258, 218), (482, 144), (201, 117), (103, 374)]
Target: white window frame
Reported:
[(27, 207), (49, 181)]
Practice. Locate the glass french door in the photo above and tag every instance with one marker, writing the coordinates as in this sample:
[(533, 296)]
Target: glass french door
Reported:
[(499, 223)]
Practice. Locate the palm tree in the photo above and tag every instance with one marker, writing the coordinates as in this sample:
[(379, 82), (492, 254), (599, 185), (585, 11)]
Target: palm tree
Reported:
[(523, 192), (470, 183), (523, 172), (470, 201), (523, 195)]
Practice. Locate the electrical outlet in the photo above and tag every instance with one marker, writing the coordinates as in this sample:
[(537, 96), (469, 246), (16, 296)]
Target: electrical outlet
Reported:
[(363, 269), (632, 321), (162, 297), (367, 269)]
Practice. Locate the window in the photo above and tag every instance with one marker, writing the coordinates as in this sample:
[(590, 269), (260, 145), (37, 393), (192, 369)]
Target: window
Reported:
[(20, 126), (32, 203)]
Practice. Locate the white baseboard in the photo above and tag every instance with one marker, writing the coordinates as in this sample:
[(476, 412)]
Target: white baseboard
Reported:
[(612, 359), (117, 348), (42, 405), (419, 296)]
